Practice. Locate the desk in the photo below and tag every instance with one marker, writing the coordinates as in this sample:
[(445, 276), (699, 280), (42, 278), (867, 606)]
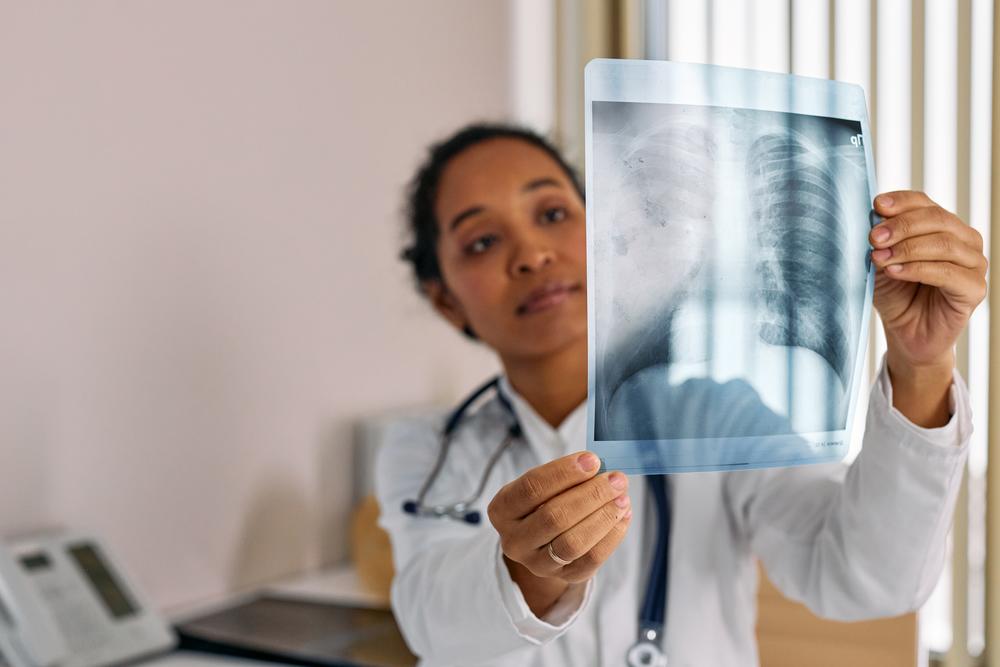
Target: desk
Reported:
[(323, 619), (195, 659), (337, 585)]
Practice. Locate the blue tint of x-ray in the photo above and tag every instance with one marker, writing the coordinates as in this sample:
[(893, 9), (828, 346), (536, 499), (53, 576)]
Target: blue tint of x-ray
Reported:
[(729, 286)]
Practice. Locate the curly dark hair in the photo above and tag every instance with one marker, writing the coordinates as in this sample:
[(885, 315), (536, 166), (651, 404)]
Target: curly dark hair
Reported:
[(422, 224)]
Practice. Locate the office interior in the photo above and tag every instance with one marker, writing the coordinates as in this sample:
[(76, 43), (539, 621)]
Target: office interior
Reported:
[(207, 327)]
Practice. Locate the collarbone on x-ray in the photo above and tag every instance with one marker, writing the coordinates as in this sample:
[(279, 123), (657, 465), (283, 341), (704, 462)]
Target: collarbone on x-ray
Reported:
[(729, 282)]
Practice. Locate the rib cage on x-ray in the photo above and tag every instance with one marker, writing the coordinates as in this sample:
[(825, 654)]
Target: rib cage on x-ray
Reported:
[(798, 219), (671, 172), (729, 277), (729, 246)]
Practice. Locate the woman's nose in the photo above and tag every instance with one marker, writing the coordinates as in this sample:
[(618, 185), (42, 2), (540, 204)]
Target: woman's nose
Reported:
[(532, 257)]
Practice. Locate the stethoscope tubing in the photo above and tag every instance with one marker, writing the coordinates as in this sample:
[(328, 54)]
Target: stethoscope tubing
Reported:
[(460, 510)]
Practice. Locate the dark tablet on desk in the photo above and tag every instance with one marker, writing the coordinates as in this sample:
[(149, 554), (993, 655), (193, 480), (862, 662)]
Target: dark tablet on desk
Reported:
[(313, 634)]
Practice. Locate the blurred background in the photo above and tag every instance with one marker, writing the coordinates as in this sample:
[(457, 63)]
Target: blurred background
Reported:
[(200, 217)]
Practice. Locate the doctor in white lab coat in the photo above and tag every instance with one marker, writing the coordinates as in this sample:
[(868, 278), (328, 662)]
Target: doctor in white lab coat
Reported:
[(497, 220)]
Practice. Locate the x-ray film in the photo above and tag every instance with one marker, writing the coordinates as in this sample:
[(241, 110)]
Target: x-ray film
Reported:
[(729, 280)]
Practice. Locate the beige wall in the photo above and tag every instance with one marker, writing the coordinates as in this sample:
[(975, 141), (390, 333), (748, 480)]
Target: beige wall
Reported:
[(198, 228)]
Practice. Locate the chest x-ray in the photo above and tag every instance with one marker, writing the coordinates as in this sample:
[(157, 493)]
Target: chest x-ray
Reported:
[(728, 271)]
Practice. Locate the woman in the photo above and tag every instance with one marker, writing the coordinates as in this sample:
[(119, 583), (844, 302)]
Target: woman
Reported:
[(557, 574)]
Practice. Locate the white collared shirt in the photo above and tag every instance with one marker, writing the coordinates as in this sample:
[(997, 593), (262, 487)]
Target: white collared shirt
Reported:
[(851, 542)]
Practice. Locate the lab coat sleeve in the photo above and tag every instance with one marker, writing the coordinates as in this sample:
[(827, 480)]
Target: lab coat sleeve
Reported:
[(452, 594), (532, 628), (865, 540)]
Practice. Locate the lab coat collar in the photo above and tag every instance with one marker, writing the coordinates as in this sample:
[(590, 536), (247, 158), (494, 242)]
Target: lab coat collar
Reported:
[(547, 442)]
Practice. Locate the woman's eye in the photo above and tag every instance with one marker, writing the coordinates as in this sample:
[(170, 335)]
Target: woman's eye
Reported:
[(555, 214), (481, 244)]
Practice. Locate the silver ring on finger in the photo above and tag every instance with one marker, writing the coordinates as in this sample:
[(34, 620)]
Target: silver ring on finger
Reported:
[(557, 559)]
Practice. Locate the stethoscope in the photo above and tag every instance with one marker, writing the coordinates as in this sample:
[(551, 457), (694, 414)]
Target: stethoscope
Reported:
[(460, 510), (646, 651)]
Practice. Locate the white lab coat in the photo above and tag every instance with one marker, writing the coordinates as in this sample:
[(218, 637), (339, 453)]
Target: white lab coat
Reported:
[(851, 542)]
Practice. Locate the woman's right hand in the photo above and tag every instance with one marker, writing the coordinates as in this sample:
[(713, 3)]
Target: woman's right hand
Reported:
[(565, 503)]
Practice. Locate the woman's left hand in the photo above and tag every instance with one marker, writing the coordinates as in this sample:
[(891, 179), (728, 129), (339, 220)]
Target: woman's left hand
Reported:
[(931, 275)]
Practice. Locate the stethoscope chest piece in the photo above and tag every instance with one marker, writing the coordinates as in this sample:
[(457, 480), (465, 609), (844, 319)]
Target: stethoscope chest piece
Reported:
[(645, 653)]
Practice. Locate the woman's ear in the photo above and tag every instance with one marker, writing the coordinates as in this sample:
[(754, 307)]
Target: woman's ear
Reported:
[(445, 304)]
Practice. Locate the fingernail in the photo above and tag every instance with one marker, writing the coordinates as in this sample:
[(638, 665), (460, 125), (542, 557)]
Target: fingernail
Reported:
[(618, 480), (881, 255), (588, 462), (895, 268), (622, 501), (628, 514), (884, 201), (880, 234)]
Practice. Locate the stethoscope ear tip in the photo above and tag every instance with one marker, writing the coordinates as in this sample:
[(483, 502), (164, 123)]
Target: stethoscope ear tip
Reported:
[(410, 506), (473, 517)]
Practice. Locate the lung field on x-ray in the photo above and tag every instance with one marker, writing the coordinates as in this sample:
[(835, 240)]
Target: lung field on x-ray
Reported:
[(729, 244), (798, 218), (666, 190)]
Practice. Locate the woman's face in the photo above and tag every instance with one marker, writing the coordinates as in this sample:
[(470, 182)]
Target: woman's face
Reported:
[(512, 249)]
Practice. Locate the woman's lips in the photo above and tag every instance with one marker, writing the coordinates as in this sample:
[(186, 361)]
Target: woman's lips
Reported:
[(546, 298)]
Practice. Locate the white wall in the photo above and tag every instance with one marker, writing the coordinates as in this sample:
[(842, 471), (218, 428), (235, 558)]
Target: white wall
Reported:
[(199, 222)]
